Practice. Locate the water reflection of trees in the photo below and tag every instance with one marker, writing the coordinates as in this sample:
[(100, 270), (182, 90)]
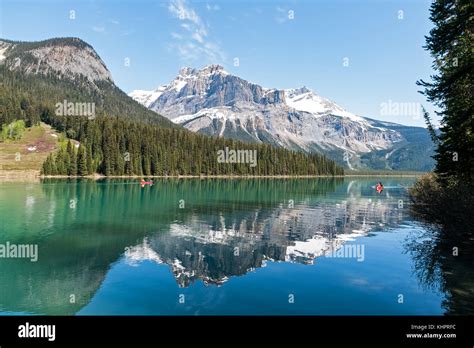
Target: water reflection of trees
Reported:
[(443, 260)]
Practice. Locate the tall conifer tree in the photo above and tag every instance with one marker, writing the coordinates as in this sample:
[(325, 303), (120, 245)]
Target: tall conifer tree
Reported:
[(451, 43)]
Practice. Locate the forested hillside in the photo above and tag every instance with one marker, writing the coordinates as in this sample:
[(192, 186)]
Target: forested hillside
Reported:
[(44, 92), (113, 146)]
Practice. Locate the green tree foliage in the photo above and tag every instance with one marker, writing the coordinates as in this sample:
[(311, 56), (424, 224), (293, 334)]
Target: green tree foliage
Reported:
[(72, 159), (113, 146), (82, 161), (451, 42), (12, 131)]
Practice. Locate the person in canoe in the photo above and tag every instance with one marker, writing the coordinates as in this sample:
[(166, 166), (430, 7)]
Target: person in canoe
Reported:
[(143, 182), (379, 187)]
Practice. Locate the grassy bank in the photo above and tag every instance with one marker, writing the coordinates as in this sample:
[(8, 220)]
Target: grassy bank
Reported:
[(24, 157)]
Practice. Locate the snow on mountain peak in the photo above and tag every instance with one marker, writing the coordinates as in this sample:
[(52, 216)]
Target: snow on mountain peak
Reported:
[(304, 99), (185, 74), (187, 71), (147, 98), (211, 69), (294, 92), (194, 83)]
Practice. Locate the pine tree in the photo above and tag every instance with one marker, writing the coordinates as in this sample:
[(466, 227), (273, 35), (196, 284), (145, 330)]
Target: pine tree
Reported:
[(72, 168), (81, 161), (47, 166), (450, 42), (89, 163), (61, 162)]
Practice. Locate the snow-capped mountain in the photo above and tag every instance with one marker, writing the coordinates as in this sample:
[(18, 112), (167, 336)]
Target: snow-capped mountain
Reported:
[(214, 102), (304, 99)]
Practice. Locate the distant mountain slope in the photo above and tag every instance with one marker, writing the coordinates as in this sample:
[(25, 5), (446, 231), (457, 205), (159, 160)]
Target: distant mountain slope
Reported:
[(68, 58), (413, 153), (69, 69), (213, 102)]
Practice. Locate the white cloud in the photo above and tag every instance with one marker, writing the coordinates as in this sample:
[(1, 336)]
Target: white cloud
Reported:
[(98, 29), (196, 36), (212, 7), (178, 9), (177, 36), (194, 41), (186, 26)]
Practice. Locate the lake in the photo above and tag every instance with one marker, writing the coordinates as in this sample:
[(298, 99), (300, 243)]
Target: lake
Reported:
[(224, 247)]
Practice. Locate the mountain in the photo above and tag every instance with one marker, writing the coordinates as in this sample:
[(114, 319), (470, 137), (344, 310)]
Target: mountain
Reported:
[(214, 102), (66, 58), (67, 69), (59, 81), (412, 153)]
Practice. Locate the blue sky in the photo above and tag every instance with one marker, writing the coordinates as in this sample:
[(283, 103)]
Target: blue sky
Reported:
[(360, 54)]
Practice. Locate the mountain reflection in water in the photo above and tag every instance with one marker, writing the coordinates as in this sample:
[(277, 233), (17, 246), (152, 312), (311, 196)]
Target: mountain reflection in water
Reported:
[(203, 231)]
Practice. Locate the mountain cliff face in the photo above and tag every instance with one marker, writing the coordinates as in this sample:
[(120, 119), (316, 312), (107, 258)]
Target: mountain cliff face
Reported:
[(67, 68), (66, 58), (213, 102)]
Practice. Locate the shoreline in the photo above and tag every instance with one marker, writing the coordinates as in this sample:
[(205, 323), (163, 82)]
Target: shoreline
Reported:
[(14, 176)]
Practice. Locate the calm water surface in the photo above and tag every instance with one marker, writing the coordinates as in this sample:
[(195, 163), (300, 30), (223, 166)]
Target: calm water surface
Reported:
[(203, 247)]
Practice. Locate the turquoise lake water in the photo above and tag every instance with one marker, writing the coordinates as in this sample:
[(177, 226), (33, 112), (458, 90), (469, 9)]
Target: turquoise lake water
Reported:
[(212, 247)]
